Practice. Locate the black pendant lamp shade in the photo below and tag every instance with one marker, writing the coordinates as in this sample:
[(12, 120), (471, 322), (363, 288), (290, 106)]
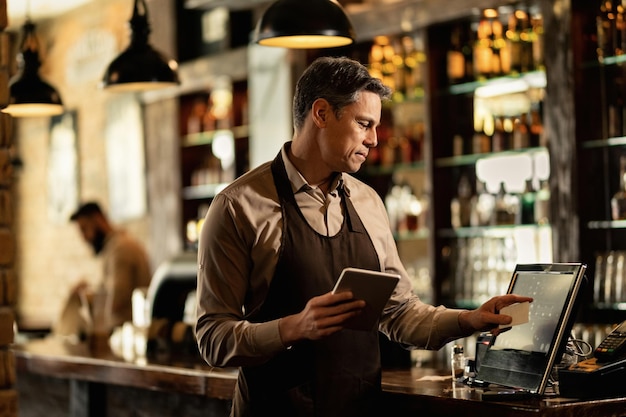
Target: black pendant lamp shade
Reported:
[(140, 66), (30, 95), (302, 24)]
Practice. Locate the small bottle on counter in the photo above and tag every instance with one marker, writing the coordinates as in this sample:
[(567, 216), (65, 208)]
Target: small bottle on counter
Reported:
[(457, 362)]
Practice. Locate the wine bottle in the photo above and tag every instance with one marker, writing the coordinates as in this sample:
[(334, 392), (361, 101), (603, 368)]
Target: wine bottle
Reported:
[(499, 136), (542, 203), (526, 37), (514, 44), (618, 201), (605, 28), (521, 135), (528, 203), (482, 53), (455, 57)]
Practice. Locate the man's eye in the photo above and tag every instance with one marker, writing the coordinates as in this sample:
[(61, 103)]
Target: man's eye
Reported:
[(365, 125)]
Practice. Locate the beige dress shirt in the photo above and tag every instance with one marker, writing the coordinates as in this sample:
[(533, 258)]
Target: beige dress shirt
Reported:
[(238, 251)]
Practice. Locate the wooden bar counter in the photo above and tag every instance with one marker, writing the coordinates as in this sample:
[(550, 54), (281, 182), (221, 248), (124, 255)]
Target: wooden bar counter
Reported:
[(102, 384)]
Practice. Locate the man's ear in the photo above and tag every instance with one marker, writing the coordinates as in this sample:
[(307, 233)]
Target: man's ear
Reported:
[(319, 112)]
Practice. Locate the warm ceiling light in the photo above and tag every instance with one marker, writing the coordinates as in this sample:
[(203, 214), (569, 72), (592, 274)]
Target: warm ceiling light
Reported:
[(140, 67), (302, 24), (30, 95)]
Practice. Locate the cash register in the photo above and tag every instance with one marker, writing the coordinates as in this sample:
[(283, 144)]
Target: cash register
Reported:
[(601, 376)]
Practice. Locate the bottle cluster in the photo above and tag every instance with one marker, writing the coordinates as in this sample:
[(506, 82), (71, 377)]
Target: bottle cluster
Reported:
[(611, 42), (407, 211), (498, 131), (477, 207), (481, 267), (502, 41), (611, 28), (609, 281), (398, 61), (211, 113)]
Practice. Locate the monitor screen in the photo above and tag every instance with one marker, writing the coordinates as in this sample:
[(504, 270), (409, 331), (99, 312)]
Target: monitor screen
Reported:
[(523, 356)]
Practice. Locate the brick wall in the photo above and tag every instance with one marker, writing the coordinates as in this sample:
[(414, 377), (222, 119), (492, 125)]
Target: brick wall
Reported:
[(8, 394), (51, 256)]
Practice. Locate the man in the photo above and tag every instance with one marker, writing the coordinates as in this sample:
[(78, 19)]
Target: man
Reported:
[(275, 241), (125, 267)]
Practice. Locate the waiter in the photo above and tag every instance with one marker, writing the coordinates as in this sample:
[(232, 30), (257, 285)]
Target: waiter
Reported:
[(275, 241)]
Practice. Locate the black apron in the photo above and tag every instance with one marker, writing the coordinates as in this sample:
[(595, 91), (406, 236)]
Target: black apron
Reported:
[(337, 376)]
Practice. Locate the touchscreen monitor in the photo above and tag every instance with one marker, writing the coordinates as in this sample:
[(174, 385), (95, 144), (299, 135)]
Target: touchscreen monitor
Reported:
[(523, 356)]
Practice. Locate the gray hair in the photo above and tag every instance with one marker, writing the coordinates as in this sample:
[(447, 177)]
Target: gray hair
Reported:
[(337, 80)]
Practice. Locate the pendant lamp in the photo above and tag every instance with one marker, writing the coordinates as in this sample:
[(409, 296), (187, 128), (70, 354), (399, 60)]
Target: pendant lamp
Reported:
[(302, 24), (140, 67), (30, 95)]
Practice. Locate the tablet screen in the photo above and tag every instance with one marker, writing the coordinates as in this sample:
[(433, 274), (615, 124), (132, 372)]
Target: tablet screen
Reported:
[(374, 287)]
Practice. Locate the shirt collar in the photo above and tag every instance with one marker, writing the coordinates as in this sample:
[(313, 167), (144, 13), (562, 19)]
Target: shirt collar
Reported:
[(298, 182)]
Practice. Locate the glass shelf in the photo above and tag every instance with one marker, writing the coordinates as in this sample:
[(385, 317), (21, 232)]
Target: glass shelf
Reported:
[(604, 143), (471, 159), (503, 85), (491, 231), (608, 61), (607, 224), (610, 306), (206, 138)]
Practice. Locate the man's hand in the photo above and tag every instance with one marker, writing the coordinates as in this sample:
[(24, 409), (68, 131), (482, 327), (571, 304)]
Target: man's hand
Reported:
[(321, 317), (487, 317)]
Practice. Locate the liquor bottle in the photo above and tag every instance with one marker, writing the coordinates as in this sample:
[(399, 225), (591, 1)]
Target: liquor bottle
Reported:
[(397, 61), (514, 43), (605, 28), (506, 207), (388, 67), (507, 124), (616, 105), (620, 29), (194, 121), (467, 41), (488, 132), (483, 205), (535, 129), (521, 136), (618, 201), (460, 55), (499, 136), (528, 203), (536, 22), (413, 60), (376, 60), (526, 37), (500, 59), (461, 205), (455, 64), (481, 143), (482, 53), (542, 203), (457, 145)]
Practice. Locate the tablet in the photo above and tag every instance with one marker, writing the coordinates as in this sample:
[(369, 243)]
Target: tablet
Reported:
[(374, 287)]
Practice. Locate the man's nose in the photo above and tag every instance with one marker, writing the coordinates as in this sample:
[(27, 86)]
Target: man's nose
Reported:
[(372, 139)]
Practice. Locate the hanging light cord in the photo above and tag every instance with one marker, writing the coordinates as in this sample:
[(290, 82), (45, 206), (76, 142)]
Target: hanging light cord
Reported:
[(139, 23)]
